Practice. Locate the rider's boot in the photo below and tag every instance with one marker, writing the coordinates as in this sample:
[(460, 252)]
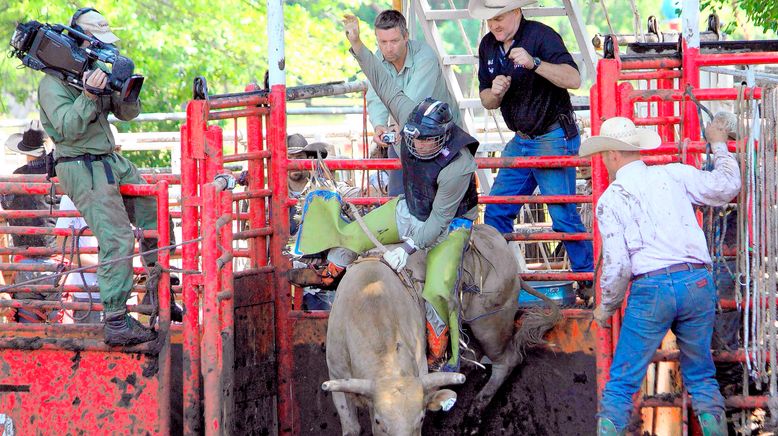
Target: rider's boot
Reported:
[(326, 277)]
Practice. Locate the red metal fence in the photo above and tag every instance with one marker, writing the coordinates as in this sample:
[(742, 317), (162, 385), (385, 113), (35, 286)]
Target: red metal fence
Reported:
[(59, 378)]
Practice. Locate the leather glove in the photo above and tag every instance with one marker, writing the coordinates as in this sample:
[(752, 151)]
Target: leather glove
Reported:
[(398, 257), (602, 316)]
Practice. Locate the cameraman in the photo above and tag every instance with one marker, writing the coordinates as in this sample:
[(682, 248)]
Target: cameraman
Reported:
[(90, 174)]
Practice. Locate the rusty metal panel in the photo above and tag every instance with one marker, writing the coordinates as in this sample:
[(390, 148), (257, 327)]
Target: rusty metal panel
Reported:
[(67, 392), (255, 367)]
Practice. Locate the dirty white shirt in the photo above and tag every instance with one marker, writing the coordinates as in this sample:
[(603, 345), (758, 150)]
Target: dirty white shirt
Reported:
[(647, 221)]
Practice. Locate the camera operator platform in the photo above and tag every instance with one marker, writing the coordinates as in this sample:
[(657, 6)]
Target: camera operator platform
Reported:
[(90, 173)]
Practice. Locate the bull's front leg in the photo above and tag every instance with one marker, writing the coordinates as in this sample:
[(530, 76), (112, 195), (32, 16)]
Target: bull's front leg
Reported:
[(347, 412)]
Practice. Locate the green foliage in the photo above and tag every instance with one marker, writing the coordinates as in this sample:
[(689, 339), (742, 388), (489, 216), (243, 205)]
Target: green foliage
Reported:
[(148, 158), (760, 12), (173, 41)]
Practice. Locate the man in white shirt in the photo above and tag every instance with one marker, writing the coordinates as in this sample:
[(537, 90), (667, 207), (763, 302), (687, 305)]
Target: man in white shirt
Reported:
[(651, 238)]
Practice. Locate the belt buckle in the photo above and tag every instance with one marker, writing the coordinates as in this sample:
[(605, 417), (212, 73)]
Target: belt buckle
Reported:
[(522, 135)]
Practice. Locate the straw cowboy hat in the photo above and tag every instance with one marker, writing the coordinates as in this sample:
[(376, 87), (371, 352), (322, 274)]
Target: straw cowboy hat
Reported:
[(30, 142), (488, 9), (620, 134)]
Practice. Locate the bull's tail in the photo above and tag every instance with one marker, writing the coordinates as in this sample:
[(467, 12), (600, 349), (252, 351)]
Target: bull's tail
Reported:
[(535, 322)]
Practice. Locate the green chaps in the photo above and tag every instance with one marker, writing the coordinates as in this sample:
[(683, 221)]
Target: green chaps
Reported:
[(323, 227), (444, 262)]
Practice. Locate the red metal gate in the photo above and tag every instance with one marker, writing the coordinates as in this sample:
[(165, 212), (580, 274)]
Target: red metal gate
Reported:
[(60, 378)]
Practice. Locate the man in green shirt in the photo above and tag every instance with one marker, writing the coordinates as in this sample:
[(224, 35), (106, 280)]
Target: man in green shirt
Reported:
[(435, 213), (90, 173), (414, 68)]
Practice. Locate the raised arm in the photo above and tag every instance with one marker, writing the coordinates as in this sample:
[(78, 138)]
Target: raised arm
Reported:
[(399, 105)]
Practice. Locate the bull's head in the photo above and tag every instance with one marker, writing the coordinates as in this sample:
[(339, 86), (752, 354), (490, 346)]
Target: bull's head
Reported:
[(399, 403)]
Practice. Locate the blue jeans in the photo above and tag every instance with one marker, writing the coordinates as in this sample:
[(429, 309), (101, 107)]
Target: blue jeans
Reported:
[(552, 181), (684, 302)]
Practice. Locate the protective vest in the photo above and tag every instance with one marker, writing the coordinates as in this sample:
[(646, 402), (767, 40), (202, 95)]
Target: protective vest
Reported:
[(420, 177), (32, 202)]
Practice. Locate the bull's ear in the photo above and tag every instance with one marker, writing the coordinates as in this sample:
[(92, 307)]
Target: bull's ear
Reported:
[(359, 386), (443, 399)]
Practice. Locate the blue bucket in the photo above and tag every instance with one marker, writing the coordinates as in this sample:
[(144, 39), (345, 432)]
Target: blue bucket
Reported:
[(561, 292)]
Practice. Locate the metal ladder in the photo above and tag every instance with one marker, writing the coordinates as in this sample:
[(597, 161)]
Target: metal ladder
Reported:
[(469, 102)]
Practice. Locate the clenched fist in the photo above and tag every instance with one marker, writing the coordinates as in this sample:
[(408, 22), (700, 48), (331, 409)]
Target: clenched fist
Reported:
[(520, 57), (500, 85)]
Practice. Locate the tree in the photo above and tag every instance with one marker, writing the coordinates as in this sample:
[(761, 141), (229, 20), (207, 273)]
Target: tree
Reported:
[(762, 13), (171, 42)]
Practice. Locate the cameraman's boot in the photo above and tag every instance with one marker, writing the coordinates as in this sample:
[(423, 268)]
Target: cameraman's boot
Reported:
[(121, 329)]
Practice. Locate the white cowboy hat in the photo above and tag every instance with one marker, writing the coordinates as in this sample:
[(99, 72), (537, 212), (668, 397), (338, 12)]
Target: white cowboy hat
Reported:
[(30, 142), (620, 134), (488, 9)]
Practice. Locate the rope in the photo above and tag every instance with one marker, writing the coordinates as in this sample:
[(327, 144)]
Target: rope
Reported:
[(607, 18), (768, 143), (110, 262)]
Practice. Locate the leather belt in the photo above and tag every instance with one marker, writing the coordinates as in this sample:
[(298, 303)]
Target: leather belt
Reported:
[(555, 125), (88, 159), (671, 269)]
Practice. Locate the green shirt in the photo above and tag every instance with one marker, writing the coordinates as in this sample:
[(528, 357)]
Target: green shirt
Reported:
[(419, 78), (77, 124), (453, 180)]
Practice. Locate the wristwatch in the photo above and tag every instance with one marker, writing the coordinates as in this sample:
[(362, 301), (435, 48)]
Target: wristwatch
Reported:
[(535, 63)]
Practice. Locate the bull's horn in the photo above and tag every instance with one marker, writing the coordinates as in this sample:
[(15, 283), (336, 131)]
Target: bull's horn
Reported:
[(359, 386), (437, 379)]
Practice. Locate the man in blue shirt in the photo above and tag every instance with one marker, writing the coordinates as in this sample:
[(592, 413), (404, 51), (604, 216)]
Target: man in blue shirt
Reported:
[(525, 70)]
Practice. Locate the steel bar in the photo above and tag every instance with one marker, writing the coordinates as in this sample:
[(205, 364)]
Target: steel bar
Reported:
[(245, 195), (534, 199), (651, 75), (237, 113), (279, 219), (172, 179), (210, 348), (657, 121), (189, 230), (484, 162), (50, 267), (648, 63), (49, 289), (554, 276), (548, 236), (713, 94), (265, 269), (252, 155), (226, 309), (163, 296), (30, 230), (256, 180), (734, 402), (253, 233)]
